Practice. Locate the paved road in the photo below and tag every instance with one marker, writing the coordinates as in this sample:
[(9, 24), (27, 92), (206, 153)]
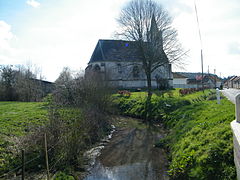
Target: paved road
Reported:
[(231, 94)]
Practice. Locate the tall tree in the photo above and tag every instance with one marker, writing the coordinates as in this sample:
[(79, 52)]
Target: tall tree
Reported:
[(147, 23), (7, 82), (65, 83)]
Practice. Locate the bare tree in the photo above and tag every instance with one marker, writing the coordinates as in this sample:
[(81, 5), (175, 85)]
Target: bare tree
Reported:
[(147, 23), (64, 85)]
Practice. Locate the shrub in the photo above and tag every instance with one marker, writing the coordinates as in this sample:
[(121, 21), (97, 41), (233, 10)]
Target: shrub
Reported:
[(63, 176), (186, 91)]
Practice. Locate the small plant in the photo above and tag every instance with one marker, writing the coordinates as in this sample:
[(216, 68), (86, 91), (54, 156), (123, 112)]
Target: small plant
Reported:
[(124, 93), (63, 176), (186, 91)]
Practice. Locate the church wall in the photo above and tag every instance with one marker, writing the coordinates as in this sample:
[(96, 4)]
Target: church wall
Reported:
[(120, 74)]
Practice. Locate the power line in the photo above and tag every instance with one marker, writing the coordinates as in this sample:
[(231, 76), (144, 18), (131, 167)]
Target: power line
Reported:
[(199, 32), (200, 37)]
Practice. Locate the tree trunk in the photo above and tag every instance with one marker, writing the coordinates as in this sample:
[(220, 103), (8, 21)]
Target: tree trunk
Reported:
[(149, 84), (148, 114)]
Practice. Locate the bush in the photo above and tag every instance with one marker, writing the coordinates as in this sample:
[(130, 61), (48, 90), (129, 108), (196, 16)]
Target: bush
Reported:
[(63, 176), (186, 91), (75, 124)]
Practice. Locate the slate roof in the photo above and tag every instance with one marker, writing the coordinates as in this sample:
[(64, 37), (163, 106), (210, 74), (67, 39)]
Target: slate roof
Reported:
[(236, 79), (177, 75), (191, 75), (116, 50), (232, 78)]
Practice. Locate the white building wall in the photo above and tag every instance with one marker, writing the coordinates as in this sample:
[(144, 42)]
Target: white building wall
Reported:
[(120, 74), (179, 80)]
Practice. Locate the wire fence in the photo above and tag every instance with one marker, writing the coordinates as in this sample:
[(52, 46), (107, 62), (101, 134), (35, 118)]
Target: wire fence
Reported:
[(18, 171)]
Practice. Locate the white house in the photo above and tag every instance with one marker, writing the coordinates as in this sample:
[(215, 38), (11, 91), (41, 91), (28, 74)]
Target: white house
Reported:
[(179, 81)]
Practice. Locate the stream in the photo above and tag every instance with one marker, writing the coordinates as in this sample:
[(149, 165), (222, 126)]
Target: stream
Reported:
[(130, 155)]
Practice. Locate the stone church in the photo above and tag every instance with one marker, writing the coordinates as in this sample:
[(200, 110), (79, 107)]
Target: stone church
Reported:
[(120, 63)]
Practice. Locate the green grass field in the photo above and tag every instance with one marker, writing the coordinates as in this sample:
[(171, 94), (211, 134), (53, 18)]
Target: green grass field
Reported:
[(16, 119)]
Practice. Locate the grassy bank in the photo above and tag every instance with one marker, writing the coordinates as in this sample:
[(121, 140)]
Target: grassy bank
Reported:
[(199, 140), (16, 119)]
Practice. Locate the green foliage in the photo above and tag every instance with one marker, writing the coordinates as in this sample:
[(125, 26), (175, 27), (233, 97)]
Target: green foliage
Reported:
[(135, 106), (63, 176)]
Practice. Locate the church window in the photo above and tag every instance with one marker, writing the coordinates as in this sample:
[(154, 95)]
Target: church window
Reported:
[(97, 68), (119, 67), (135, 71)]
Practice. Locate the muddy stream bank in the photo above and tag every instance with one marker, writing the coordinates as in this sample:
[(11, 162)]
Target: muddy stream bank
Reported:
[(131, 155)]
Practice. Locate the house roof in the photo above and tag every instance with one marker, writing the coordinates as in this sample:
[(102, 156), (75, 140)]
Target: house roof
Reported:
[(232, 78), (42, 81), (237, 78), (191, 75), (116, 50), (177, 75)]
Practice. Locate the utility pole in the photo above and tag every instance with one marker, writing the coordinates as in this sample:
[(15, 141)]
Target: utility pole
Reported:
[(199, 32), (215, 79)]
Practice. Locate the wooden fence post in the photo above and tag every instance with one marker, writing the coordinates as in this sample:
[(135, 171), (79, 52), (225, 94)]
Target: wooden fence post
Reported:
[(237, 108), (46, 155), (218, 96), (23, 164)]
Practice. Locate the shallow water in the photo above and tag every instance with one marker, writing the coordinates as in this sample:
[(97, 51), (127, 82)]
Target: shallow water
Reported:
[(131, 155)]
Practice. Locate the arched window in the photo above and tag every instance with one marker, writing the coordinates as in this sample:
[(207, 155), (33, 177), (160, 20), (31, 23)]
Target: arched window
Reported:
[(97, 68), (135, 71), (119, 67)]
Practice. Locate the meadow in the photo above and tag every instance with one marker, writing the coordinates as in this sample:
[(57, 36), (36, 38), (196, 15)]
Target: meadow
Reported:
[(17, 119)]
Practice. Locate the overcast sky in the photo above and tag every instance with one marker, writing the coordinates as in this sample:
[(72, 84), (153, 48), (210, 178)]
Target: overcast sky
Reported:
[(53, 34)]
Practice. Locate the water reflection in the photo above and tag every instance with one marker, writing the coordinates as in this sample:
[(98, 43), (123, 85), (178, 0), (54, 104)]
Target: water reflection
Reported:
[(134, 171), (131, 155)]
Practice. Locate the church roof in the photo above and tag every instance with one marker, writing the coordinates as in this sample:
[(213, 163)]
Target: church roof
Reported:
[(115, 50)]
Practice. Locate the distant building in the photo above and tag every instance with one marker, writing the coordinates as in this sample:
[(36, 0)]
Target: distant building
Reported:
[(120, 63), (179, 81), (194, 80), (233, 82), (46, 86)]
